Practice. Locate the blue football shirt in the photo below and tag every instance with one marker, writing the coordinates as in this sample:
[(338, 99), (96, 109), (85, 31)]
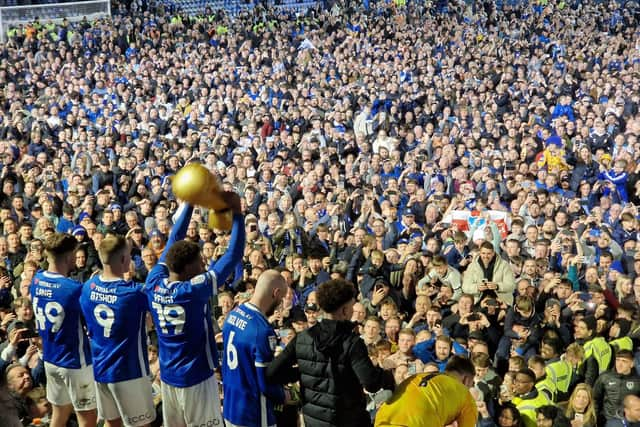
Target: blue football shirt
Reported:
[(115, 314), (249, 343), (56, 304), (182, 314), (181, 309)]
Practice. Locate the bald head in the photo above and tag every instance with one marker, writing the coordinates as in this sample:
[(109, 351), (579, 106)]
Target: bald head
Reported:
[(632, 408), (271, 287)]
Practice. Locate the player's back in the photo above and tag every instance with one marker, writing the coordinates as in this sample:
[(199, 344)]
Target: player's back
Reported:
[(56, 304), (243, 403), (427, 400), (182, 315), (115, 314)]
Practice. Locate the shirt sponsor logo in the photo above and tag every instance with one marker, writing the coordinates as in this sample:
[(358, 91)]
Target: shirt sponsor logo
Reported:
[(198, 280)]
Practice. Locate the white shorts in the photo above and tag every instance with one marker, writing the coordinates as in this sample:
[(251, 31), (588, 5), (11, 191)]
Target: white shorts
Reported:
[(130, 400), (195, 406), (71, 386)]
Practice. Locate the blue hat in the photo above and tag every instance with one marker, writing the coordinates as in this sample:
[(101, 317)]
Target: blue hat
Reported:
[(554, 140), (416, 235), (617, 266), (403, 241), (78, 230), (83, 216), (115, 206), (408, 211)]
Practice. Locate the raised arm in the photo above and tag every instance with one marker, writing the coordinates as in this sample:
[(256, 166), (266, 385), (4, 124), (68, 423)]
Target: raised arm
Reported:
[(182, 218), (233, 255)]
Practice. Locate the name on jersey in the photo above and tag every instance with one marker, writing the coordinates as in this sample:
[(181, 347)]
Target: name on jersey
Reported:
[(47, 293), (237, 322), (163, 299), (99, 297)]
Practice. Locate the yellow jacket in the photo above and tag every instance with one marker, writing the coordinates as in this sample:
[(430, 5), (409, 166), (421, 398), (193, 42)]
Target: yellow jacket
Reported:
[(427, 400)]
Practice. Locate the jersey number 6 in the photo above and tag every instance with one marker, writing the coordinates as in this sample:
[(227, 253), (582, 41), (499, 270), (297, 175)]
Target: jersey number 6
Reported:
[(232, 352)]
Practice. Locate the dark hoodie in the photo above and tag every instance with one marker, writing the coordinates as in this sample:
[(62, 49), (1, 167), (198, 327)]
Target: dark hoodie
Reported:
[(333, 368), (532, 322)]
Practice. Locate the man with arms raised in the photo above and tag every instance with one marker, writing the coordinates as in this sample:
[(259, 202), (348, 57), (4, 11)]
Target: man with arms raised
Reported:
[(179, 289)]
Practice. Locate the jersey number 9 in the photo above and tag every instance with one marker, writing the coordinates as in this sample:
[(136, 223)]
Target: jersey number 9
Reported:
[(105, 316)]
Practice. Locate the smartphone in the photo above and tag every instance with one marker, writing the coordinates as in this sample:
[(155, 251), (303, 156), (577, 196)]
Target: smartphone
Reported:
[(411, 368), (29, 333)]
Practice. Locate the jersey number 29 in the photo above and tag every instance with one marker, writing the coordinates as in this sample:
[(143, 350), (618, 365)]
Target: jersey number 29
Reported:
[(52, 311)]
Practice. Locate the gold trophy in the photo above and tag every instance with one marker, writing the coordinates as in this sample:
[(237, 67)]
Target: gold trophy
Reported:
[(196, 185)]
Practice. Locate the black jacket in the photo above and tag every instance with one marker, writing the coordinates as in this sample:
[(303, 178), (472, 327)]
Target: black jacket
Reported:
[(610, 390), (333, 368)]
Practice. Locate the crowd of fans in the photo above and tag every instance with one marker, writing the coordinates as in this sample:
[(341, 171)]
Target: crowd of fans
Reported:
[(357, 139)]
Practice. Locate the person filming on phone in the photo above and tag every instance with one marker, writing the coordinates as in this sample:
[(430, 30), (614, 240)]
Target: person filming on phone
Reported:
[(489, 273)]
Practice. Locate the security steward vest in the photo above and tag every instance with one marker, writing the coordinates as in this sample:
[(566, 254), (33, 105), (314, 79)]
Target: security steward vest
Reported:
[(624, 343), (559, 375), (528, 404), (600, 350)]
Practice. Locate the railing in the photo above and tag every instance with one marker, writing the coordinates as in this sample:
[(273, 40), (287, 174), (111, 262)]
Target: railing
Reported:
[(11, 16)]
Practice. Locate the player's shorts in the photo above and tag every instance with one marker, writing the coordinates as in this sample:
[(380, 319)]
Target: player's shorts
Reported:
[(195, 406), (71, 386), (130, 400)]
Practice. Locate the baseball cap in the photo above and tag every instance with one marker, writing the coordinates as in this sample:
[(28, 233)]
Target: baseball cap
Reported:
[(624, 354)]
